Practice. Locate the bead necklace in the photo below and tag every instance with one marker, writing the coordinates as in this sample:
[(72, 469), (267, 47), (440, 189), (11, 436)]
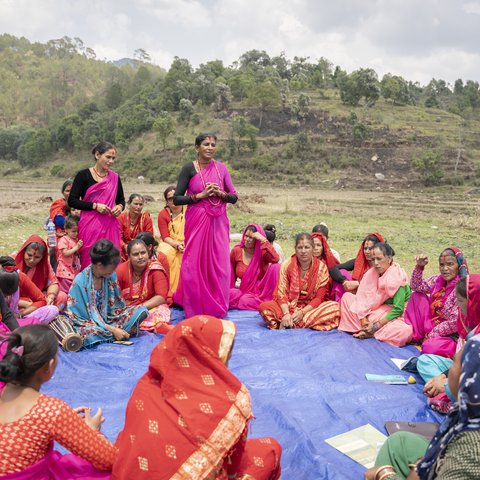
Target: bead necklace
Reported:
[(97, 174), (219, 200), (172, 217)]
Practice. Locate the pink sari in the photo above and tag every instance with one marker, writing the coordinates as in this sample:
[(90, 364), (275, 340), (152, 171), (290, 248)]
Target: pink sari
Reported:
[(204, 284), (54, 466), (94, 226), (369, 303), (254, 289)]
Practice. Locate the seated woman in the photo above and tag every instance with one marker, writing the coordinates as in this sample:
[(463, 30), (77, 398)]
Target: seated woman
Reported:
[(346, 282), (23, 297), (133, 221), (255, 263), (31, 421), (194, 411), (271, 234), (432, 310), (377, 308), (32, 259), (171, 225), (149, 240), (434, 368), (454, 452), (300, 300), (323, 229), (95, 305), (8, 322), (145, 282), (322, 250)]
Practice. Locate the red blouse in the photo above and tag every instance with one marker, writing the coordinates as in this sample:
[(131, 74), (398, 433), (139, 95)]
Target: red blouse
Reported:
[(157, 283), (27, 440), (269, 255), (29, 291)]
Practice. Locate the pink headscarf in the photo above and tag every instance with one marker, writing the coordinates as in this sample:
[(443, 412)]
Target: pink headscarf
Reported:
[(250, 277)]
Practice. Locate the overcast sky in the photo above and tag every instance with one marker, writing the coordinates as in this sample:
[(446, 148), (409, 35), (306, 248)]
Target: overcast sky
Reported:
[(418, 39)]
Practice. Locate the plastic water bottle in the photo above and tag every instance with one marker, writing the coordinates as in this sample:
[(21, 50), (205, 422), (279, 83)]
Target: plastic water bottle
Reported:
[(51, 235)]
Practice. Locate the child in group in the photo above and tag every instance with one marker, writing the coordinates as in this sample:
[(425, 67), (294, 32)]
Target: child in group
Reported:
[(30, 421), (68, 256)]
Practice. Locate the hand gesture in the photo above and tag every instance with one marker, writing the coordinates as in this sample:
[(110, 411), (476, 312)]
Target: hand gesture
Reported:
[(350, 285), (116, 210), (287, 321), (421, 260), (95, 422), (435, 386), (50, 299), (181, 247), (79, 244), (119, 333), (297, 316), (103, 209), (258, 236)]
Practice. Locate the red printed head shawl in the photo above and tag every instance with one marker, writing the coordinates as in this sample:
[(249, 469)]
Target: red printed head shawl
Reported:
[(361, 264), (188, 411), (250, 277), (138, 297), (40, 277), (327, 255), (469, 322)]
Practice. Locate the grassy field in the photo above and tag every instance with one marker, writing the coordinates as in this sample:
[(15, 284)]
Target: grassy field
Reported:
[(413, 221)]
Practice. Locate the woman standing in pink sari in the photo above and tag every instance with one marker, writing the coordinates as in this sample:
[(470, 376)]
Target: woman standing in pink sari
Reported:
[(206, 186), (98, 193)]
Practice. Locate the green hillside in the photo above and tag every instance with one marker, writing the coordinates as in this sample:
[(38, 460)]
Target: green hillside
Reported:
[(278, 120)]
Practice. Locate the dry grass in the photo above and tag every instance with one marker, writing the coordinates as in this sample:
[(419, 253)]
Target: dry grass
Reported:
[(412, 221)]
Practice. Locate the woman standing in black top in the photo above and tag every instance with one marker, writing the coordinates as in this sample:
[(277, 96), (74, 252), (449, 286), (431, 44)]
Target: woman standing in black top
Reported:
[(97, 191)]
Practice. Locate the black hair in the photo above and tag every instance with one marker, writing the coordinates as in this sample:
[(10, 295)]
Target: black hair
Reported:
[(321, 228), (200, 138), (71, 221), (105, 252), (135, 195), (39, 347), (167, 191), (149, 240), (132, 243), (461, 287), (37, 246), (372, 238), (66, 184), (102, 147), (9, 281), (251, 228), (385, 248), (270, 232), (303, 236)]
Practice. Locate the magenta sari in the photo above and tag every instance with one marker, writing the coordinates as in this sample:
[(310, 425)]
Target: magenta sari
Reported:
[(94, 226), (204, 284), (55, 466), (254, 288)]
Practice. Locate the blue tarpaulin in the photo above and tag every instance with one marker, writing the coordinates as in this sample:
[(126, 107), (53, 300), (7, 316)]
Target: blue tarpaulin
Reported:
[(306, 386)]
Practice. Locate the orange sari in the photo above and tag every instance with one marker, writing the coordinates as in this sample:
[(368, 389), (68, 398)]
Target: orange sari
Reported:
[(188, 415), (297, 292)]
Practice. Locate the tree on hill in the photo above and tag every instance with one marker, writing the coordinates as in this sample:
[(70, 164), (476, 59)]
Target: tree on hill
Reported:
[(362, 83), (264, 96)]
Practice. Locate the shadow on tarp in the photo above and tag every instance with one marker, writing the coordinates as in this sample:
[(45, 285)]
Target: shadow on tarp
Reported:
[(306, 386)]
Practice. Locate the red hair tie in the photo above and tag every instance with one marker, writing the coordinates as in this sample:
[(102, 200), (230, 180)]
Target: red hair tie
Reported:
[(18, 350), (10, 268)]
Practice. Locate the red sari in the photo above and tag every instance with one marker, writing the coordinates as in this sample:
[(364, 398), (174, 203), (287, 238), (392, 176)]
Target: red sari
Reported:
[(188, 415), (127, 232), (154, 281), (361, 263), (42, 275)]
